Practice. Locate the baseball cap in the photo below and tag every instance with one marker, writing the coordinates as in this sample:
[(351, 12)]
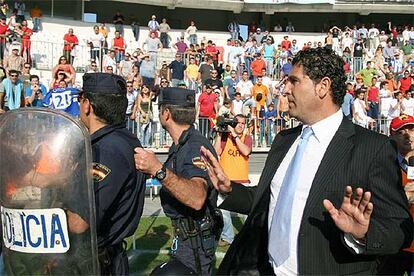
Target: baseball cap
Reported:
[(401, 121), (104, 83)]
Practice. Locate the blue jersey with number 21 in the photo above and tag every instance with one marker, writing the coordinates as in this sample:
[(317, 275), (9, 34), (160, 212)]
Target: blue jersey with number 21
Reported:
[(65, 99)]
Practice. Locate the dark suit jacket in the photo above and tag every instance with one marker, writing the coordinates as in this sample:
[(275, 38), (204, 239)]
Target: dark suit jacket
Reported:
[(356, 157)]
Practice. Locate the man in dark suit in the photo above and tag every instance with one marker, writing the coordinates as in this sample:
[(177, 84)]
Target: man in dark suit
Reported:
[(293, 225)]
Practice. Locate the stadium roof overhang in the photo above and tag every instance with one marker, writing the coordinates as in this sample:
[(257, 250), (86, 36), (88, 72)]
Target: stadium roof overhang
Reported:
[(238, 6)]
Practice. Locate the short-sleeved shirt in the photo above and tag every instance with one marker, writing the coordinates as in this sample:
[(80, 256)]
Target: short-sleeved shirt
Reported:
[(181, 47), (192, 71), (260, 89), (215, 84), (205, 70), (207, 102), (231, 87), (186, 163), (177, 68), (152, 44), (119, 187), (3, 30), (64, 99), (245, 88), (36, 102)]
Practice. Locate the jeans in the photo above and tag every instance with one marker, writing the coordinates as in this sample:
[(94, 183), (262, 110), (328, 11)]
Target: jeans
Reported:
[(357, 64), (119, 56), (2, 49), (373, 110), (174, 82), (262, 125), (192, 39), (95, 54), (269, 66), (228, 232), (270, 130), (192, 84), (248, 62), (234, 35), (37, 24), (146, 134), (119, 28), (165, 40)]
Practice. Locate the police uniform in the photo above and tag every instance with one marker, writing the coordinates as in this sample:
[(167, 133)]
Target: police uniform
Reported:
[(119, 187), (196, 253)]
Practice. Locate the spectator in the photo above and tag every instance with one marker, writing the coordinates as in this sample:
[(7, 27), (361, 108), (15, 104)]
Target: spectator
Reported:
[(118, 21), (373, 99), (294, 49), (191, 74), (360, 110), (20, 6), (258, 37), (373, 37), (132, 95), (104, 31), (177, 68), (96, 42), (290, 28), (4, 8), (236, 55), (368, 73), (36, 15), (212, 51), (230, 86), (257, 65), (282, 111), (192, 33), (363, 33), (278, 28), (234, 29), (269, 52), (26, 43), (143, 107), (66, 67), (408, 104), (148, 72), (244, 87), (135, 30), (286, 68), (181, 46), (13, 20), (207, 108), (236, 104), (135, 78), (58, 78), (119, 45), (249, 54), (93, 68), (216, 84), (11, 92), (266, 36), (385, 97), (205, 69), (109, 60), (25, 75), (164, 37), (109, 69), (153, 44), (358, 53), (4, 32), (153, 25), (394, 34), (35, 93), (388, 52), (70, 41), (395, 107), (13, 61), (405, 82), (407, 50), (286, 44), (125, 66), (260, 92), (235, 166), (348, 101)]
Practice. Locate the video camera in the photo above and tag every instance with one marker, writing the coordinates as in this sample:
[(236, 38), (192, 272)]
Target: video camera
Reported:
[(223, 122)]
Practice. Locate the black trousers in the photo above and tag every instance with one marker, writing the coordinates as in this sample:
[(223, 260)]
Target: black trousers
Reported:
[(113, 260)]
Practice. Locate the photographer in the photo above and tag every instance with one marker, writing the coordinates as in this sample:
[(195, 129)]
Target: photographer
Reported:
[(35, 93), (233, 148)]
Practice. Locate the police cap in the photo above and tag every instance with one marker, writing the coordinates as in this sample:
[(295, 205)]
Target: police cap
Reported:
[(104, 83), (177, 96)]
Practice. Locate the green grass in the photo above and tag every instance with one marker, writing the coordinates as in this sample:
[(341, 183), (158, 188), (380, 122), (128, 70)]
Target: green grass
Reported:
[(155, 234)]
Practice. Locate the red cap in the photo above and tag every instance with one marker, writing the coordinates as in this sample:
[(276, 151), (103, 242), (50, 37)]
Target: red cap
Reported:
[(401, 121)]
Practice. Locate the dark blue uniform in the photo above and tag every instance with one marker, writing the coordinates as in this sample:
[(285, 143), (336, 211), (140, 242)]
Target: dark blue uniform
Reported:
[(119, 191), (185, 161)]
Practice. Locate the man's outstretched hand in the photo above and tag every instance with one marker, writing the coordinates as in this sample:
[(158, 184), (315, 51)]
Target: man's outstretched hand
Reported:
[(217, 176), (354, 215)]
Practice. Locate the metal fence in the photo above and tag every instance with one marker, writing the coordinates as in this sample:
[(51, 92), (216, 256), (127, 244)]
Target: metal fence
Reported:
[(263, 131)]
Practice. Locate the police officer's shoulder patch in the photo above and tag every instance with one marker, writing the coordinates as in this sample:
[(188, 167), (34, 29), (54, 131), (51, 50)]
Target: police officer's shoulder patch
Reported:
[(199, 163), (100, 172)]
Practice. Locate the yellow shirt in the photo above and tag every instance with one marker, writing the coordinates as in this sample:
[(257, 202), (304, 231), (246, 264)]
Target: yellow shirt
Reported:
[(192, 71), (260, 89)]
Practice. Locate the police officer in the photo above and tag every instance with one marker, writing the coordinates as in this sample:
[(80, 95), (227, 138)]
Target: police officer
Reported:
[(119, 187), (187, 195)]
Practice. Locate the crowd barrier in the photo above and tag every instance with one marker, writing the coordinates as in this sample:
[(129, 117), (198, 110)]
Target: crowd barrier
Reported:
[(263, 131)]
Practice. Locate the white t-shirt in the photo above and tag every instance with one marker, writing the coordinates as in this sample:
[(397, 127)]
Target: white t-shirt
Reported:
[(245, 88), (408, 106), (360, 113), (237, 107), (131, 100), (96, 39), (393, 113)]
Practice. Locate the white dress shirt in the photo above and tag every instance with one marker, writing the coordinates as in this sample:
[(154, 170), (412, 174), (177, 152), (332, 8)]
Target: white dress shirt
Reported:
[(324, 131)]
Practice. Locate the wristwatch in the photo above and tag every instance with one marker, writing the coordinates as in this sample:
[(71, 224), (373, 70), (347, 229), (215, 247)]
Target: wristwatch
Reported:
[(161, 173), (235, 136)]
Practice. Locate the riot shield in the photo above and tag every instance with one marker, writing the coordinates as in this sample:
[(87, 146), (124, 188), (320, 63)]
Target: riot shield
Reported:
[(46, 194)]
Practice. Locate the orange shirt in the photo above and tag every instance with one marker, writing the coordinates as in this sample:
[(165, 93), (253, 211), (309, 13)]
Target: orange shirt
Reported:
[(404, 182), (35, 12), (234, 164), (257, 66), (260, 89)]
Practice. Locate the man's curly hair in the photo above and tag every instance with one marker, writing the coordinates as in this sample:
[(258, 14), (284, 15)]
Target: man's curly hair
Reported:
[(322, 62)]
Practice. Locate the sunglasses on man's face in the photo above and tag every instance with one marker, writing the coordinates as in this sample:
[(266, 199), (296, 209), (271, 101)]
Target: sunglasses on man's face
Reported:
[(13, 76)]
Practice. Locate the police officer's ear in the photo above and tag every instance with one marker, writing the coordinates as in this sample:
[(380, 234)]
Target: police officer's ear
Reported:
[(165, 112)]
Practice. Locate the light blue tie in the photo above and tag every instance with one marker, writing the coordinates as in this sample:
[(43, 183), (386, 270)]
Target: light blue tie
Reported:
[(279, 236)]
